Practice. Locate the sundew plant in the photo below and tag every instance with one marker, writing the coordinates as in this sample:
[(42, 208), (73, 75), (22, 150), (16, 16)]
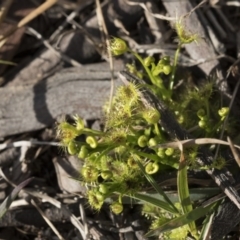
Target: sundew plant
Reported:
[(126, 157)]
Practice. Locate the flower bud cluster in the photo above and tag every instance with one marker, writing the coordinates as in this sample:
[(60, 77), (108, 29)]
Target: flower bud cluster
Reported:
[(111, 159)]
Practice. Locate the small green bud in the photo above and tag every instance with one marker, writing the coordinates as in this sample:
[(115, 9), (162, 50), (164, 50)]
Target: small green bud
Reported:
[(151, 168), (152, 142), (142, 141), (92, 141), (83, 152), (148, 61), (169, 151), (161, 153), (202, 123), (147, 131), (72, 148), (201, 113), (116, 207), (223, 112), (167, 69), (118, 46)]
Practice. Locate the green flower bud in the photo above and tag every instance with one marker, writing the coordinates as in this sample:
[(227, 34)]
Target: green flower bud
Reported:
[(72, 148), (116, 207), (202, 123), (92, 141), (142, 141), (167, 69), (83, 152), (223, 112), (151, 168), (118, 46), (148, 61), (161, 153), (169, 151), (152, 142)]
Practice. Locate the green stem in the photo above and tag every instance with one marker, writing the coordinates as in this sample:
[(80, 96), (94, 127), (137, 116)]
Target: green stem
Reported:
[(157, 129), (172, 78), (207, 107), (92, 132), (164, 91)]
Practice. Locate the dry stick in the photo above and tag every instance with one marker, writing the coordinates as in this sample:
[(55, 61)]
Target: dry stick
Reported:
[(42, 8), (54, 51), (104, 27), (159, 16), (4, 9), (221, 177), (47, 220), (51, 200), (193, 142), (84, 220), (162, 17), (234, 152)]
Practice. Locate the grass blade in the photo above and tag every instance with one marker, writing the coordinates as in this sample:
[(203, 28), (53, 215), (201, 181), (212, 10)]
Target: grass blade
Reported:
[(157, 188), (154, 201), (183, 192), (182, 220), (7, 202)]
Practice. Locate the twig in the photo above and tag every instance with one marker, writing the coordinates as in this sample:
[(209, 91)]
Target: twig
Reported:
[(4, 9), (27, 144), (42, 8), (47, 220), (48, 45), (159, 16), (51, 200), (193, 142), (104, 27), (234, 152)]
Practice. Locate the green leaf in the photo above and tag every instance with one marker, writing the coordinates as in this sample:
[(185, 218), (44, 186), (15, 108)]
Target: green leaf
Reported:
[(182, 220), (204, 235), (154, 201), (7, 63), (157, 188), (7, 202), (183, 194)]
